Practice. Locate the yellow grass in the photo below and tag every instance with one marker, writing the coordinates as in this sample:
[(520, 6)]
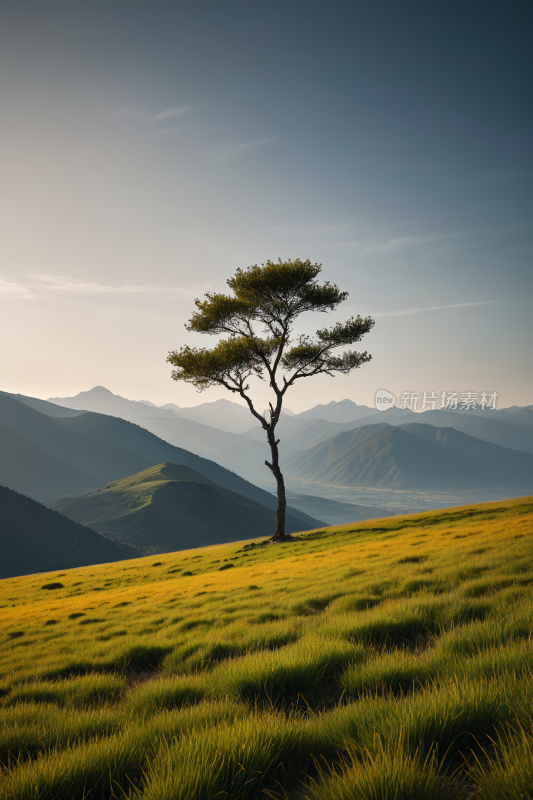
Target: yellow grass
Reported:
[(385, 611)]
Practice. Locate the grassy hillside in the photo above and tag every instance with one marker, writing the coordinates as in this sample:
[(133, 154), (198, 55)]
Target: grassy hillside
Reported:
[(35, 539), (170, 507), (387, 659), (412, 456)]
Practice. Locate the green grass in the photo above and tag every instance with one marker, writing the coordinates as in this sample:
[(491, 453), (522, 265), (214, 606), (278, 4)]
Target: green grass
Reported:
[(337, 667)]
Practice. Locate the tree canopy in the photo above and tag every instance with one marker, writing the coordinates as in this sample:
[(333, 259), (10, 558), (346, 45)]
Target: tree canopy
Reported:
[(257, 322)]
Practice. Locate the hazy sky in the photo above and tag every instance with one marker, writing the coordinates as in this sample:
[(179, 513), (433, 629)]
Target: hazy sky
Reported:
[(151, 148)]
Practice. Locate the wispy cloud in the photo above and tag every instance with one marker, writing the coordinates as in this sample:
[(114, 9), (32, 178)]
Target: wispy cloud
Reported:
[(10, 289), (129, 112), (171, 113), (228, 150), (395, 243), (61, 284), (149, 119), (403, 312)]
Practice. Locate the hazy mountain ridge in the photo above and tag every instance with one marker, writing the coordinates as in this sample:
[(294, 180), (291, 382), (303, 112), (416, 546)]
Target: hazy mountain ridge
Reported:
[(99, 462), (31, 462), (102, 401), (336, 411), (412, 456), (30, 469)]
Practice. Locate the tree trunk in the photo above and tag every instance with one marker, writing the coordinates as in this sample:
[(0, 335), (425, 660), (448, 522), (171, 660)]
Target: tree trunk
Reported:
[(279, 533)]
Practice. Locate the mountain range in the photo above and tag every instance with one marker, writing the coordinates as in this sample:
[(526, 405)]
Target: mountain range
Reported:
[(225, 431), (50, 458), (52, 453), (412, 456)]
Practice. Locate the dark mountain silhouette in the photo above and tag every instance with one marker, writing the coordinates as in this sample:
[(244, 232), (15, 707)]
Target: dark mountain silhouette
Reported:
[(35, 539), (43, 406)]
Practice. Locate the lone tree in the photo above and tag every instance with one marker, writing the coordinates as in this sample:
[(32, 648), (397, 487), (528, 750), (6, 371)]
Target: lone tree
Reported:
[(271, 296)]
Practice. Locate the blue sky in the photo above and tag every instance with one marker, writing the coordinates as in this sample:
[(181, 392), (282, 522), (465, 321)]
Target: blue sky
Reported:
[(150, 149)]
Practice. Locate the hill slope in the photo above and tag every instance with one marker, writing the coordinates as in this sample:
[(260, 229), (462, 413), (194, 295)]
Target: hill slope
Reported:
[(35, 539), (50, 409), (218, 672), (171, 507), (412, 457)]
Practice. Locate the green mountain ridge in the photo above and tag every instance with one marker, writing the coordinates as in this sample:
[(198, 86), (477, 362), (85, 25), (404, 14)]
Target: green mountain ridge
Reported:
[(137, 439), (35, 539), (172, 507)]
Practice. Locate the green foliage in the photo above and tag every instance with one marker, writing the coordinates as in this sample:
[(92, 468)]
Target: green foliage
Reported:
[(272, 295)]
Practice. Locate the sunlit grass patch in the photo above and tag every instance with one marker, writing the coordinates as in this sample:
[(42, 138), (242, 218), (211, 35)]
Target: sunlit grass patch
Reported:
[(305, 671), (74, 692), (167, 693), (260, 752), (384, 772)]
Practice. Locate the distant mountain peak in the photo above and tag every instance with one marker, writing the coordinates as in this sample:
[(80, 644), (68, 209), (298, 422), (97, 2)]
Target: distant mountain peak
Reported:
[(98, 390), (337, 411)]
